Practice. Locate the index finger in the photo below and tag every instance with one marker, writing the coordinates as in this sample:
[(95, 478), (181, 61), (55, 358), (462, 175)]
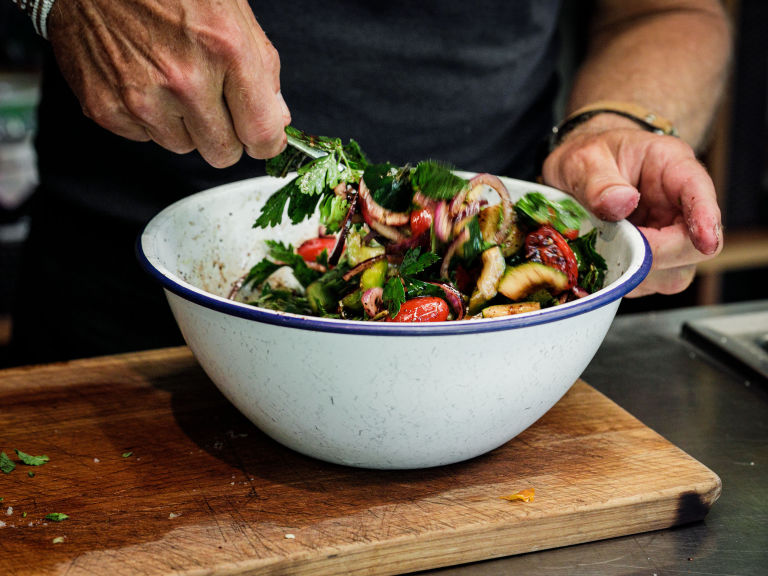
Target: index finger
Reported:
[(672, 246), (688, 181), (259, 113)]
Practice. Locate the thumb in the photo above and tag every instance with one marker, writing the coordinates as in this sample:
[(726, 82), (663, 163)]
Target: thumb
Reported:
[(591, 175)]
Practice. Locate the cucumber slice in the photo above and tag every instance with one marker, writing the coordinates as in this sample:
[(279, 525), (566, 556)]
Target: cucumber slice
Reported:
[(519, 281)]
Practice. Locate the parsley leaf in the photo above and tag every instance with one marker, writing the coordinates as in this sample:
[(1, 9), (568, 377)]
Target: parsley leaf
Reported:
[(285, 254), (272, 211), (30, 460), (592, 266), (316, 177), (389, 186), (56, 516), (302, 206), (333, 210), (283, 300), (321, 173), (260, 272), (289, 160), (564, 216), (393, 295), (436, 180), (475, 244), (418, 288), (414, 262), (6, 464)]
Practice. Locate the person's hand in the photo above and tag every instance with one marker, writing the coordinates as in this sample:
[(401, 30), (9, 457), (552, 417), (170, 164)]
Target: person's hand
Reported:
[(618, 170), (188, 74)]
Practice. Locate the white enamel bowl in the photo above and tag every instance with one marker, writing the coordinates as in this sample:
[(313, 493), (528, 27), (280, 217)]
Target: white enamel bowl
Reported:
[(370, 394)]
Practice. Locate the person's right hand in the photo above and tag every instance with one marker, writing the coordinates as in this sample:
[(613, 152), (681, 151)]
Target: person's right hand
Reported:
[(188, 74)]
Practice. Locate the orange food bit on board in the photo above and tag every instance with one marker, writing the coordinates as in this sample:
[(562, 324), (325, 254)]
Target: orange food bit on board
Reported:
[(526, 495)]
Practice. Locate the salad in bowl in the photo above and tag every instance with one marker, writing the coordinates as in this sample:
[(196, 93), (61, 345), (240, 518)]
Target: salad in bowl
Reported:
[(414, 243)]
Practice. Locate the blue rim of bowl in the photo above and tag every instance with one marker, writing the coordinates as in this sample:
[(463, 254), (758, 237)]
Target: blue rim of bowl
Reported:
[(358, 327), (332, 325)]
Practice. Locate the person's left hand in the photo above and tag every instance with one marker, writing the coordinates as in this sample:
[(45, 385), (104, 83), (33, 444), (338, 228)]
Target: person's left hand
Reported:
[(618, 170)]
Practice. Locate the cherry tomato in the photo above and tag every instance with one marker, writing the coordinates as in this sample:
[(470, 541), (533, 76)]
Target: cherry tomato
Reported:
[(312, 248), (422, 309), (547, 245), (421, 220)]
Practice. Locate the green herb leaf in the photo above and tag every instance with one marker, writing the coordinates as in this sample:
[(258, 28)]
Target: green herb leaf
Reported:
[(436, 180), (31, 474), (285, 254), (260, 272), (127, 454), (415, 262), (393, 295), (475, 244), (319, 174), (390, 186), (284, 300), (6, 464), (592, 266), (30, 460), (302, 206), (333, 210), (564, 216), (416, 288), (316, 176), (289, 160), (56, 516), (272, 211)]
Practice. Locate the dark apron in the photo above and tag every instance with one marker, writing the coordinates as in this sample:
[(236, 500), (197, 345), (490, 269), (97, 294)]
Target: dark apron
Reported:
[(471, 84)]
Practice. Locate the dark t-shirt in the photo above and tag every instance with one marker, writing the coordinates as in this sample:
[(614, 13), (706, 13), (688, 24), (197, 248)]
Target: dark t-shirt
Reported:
[(470, 83)]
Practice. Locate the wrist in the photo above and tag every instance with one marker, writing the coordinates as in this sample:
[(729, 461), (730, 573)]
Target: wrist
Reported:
[(605, 115)]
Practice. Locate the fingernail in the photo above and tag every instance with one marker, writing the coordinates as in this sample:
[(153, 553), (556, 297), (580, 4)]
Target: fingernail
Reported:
[(617, 202), (718, 238)]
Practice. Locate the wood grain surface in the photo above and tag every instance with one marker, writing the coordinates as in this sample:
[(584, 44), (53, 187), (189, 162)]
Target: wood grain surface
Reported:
[(204, 492)]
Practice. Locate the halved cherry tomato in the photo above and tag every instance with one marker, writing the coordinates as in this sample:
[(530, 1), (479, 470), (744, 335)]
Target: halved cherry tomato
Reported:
[(312, 248), (421, 220), (547, 245), (422, 309)]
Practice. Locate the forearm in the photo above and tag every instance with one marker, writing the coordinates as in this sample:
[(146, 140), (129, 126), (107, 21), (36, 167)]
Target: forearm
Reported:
[(671, 58)]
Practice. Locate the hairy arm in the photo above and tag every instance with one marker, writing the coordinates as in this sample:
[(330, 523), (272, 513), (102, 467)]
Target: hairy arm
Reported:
[(670, 57)]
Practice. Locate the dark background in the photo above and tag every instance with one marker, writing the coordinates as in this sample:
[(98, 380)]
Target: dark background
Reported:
[(737, 157)]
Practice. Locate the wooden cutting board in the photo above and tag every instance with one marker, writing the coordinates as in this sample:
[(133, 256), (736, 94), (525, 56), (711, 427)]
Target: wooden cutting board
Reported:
[(160, 475)]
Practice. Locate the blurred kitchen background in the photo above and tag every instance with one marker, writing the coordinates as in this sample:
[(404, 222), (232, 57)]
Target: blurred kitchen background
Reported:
[(737, 158)]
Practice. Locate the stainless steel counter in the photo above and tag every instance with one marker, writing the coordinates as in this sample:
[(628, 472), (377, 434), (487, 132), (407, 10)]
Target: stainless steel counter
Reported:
[(709, 405)]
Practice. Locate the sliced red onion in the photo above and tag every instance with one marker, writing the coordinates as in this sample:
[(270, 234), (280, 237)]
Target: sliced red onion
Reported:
[(579, 292), (364, 265), (423, 201), (442, 221), (506, 202), (454, 299), (455, 205), (338, 248), (407, 243), (458, 241), (371, 300), (316, 266), (389, 232), (377, 212)]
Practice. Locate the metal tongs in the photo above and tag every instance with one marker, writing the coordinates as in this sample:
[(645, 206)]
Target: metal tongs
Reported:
[(302, 146)]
